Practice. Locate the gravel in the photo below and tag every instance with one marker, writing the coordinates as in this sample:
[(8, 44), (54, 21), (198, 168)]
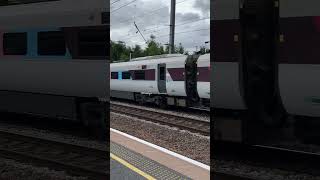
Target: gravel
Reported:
[(201, 116), (259, 173), (12, 170), (55, 136), (189, 144)]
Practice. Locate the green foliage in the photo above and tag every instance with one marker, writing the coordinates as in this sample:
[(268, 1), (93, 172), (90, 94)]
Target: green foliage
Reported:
[(153, 48), (118, 51)]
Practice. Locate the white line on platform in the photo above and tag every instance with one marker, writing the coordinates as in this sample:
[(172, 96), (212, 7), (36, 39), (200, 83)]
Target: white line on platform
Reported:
[(204, 166)]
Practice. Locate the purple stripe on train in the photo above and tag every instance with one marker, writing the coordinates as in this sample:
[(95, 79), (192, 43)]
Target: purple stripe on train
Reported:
[(301, 37), (176, 74), (149, 74), (1, 43), (204, 74), (225, 46)]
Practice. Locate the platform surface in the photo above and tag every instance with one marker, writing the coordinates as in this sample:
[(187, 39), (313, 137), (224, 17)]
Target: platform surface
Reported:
[(120, 171), (133, 158)]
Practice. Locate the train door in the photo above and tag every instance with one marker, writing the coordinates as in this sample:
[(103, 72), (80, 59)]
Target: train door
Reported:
[(191, 78), (162, 78)]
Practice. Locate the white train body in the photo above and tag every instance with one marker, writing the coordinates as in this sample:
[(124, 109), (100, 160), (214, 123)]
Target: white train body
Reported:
[(53, 58), (66, 74), (203, 87), (164, 75), (149, 85)]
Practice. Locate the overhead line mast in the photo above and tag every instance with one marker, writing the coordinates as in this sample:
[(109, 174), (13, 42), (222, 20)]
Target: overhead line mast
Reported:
[(172, 26)]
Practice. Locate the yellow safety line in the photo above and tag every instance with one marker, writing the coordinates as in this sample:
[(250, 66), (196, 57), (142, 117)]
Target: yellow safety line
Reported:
[(128, 165)]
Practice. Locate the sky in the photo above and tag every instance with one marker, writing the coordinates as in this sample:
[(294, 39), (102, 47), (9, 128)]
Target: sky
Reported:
[(153, 17)]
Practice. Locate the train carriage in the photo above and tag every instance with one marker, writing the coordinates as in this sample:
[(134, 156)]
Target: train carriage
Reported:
[(266, 64), (299, 56), (163, 80), (299, 65), (53, 59)]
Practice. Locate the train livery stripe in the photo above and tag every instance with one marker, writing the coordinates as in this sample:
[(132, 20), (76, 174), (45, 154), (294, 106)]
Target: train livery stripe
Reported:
[(299, 40), (203, 74), (1, 43), (75, 48), (32, 42), (226, 35), (176, 74), (149, 74)]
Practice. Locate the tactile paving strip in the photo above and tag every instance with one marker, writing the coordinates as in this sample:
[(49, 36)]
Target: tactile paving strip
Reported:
[(146, 165)]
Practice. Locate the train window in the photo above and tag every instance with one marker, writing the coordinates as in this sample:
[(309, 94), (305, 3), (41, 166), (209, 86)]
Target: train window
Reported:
[(126, 75), (114, 75), (105, 17), (51, 43), (15, 43), (88, 42), (93, 42), (162, 73), (139, 75)]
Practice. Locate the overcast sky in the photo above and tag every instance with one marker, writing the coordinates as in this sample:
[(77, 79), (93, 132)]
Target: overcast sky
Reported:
[(153, 17)]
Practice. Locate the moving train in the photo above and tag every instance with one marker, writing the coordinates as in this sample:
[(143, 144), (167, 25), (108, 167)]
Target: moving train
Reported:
[(267, 64), (171, 79), (53, 60)]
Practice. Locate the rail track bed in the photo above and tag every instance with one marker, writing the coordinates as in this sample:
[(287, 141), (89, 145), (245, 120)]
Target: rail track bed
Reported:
[(229, 176), (185, 123), (288, 160), (73, 159)]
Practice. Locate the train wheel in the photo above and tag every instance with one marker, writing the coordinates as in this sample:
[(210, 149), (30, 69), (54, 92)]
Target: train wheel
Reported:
[(162, 102), (94, 116)]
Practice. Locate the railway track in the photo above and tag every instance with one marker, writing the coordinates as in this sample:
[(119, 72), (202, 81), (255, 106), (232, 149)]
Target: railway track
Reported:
[(73, 159), (229, 176), (299, 162), (194, 125)]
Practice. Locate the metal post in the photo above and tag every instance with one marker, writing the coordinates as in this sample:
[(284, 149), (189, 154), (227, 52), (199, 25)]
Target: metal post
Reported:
[(172, 26)]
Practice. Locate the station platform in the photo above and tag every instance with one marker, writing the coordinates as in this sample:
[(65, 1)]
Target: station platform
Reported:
[(133, 158)]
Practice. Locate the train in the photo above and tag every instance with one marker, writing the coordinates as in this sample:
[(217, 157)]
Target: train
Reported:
[(266, 68), (164, 80), (54, 60)]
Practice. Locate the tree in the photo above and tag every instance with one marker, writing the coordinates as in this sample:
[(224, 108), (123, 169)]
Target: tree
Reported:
[(137, 52), (153, 48), (120, 51), (117, 50)]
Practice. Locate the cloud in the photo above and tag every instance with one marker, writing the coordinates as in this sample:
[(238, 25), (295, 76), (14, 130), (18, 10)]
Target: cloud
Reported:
[(203, 6), (153, 17)]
